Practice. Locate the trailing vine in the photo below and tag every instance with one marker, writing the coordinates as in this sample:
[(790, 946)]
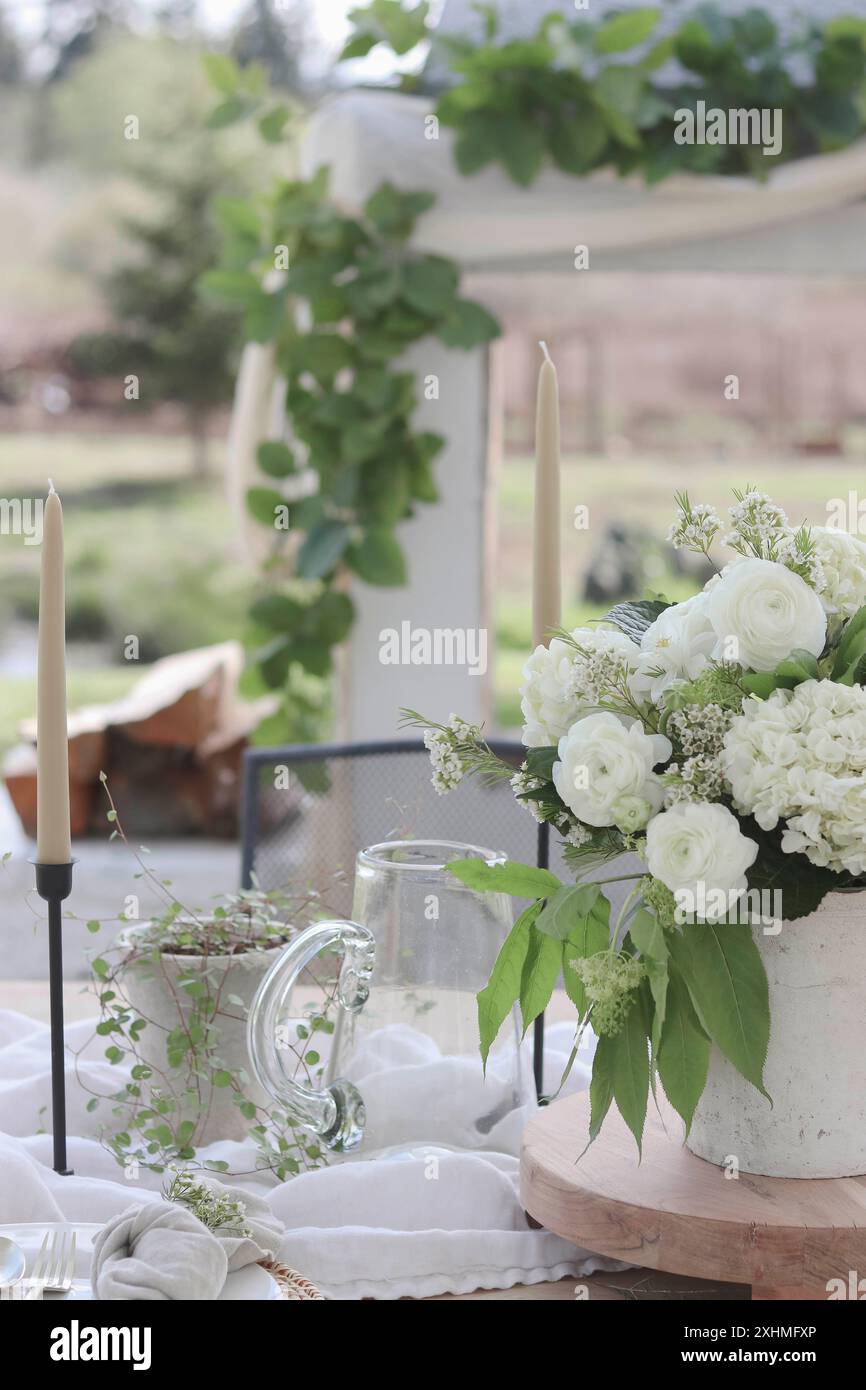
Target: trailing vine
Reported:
[(360, 468), (586, 94)]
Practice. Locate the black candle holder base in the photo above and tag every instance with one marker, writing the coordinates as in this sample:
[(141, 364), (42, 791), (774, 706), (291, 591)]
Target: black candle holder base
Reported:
[(54, 884)]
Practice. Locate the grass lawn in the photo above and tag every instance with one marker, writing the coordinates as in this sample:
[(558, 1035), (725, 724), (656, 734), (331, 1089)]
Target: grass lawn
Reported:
[(77, 461), (18, 695)]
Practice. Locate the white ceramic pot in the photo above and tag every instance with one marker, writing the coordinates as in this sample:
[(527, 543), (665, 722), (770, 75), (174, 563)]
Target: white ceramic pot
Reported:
[(816, 1060), (153, 993)]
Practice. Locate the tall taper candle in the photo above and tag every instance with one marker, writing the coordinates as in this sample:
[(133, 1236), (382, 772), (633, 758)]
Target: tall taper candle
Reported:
[(53, 844), (546, 577)]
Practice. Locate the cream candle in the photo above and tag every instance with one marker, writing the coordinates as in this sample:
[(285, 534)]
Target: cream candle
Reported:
[(546, 576), (53, 845)]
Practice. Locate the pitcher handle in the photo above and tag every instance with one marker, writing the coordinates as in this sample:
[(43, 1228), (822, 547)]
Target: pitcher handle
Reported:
[(334, 1114)]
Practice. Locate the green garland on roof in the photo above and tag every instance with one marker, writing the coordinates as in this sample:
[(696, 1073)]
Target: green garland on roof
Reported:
[(586, 94)]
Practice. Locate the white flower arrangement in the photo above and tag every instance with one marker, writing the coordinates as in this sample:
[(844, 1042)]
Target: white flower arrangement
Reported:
[(723, 739)]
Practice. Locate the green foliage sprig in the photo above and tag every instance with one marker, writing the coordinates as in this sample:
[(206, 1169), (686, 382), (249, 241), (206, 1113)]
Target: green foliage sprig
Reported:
[(585, 94), (363, 296)]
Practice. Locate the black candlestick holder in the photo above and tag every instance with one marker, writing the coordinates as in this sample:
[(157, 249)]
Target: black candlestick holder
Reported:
[(54, 884)]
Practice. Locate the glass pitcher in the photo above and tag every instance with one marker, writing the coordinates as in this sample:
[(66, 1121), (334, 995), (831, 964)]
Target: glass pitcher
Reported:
[(395, 1058)]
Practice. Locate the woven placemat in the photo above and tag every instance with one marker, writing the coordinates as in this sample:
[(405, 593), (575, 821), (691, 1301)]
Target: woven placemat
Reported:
[(293, 1286)]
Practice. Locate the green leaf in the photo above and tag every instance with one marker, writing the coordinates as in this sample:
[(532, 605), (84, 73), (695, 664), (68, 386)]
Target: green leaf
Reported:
[(601, 1086), (277, 612), (521, 149), (502, 990), (539, 761), (683, 1054), (430, 284), (262, 503), (233, 109), (394, 213), (540, 974), (331, 617), (378, 558), (322, 548), (624, 31), (221, 1079), (233, 286), (728, 986), (518, 880), (633, 618), (851, 649), (469, 325), (648, 937), (222, 72), (587, 937), (566, 909), (275, 459), (272, 125), (630, 1070)]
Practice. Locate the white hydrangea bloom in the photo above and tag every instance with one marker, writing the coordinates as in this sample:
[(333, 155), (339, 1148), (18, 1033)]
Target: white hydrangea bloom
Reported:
[(800, 756), (676, 647), (560, 685), (842, 558)]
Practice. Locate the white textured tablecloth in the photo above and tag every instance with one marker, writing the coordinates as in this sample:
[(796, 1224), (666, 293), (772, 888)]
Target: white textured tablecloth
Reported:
[(417, 1223)]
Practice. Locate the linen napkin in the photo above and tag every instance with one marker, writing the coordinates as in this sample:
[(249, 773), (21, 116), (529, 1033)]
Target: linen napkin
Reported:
[(161, 1251)]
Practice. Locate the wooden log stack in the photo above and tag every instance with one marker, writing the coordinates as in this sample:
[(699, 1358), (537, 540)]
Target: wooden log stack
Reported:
[(171, 750)]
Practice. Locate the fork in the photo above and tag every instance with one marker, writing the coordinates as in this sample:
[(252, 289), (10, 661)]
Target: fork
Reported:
[(54, 1266)]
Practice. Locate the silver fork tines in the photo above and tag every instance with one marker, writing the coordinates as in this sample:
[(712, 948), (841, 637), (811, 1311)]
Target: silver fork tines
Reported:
[(54, 1266)]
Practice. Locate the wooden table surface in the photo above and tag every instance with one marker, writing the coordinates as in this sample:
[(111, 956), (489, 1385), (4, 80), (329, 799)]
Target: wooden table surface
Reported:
[(30, 997)]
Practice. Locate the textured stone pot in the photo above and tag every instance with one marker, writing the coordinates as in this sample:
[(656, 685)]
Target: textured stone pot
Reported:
[(816, 1060), (153, 993)]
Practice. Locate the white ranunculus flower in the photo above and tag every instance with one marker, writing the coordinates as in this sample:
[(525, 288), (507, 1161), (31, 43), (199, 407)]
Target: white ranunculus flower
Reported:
[(603, 763), (760, 612), (697, 849), (677, 646), (560, 685), (842, 560)]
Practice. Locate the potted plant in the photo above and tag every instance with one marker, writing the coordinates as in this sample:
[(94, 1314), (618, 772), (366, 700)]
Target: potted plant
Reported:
[(722, 740), (174, 994)]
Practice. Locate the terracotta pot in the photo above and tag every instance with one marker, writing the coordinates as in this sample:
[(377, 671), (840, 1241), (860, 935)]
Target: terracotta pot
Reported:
[(153, 993), (816, 1060)]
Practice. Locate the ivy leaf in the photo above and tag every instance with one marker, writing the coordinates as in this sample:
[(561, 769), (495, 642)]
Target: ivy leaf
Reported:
[(624, 31), (275, 459), (728, 986), (540, 974), (469, 325), (477, 143), (518, 880), (633, 618), (323, 546), (228, 112), (630, 1070), (502, 990), (521, 149), (277, 612), (233, 286), (683, 1055), (566, 908), (378, 558), (331, 617)]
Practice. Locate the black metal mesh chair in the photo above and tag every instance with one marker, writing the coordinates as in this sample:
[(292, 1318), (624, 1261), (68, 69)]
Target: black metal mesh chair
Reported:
[(308, 810)]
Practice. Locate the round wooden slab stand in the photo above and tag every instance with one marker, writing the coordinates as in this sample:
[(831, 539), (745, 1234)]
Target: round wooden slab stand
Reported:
[(787, 1237)]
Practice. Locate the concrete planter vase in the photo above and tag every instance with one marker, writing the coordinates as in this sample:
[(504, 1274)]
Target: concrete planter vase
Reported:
[(152, 992), (816, 1060)]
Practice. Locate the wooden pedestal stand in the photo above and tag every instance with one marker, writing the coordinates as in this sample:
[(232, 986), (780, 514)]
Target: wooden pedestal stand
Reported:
[(787, 1237)]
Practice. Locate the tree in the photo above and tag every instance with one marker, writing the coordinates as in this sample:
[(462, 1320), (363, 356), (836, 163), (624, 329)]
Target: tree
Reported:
[(177, 345)]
